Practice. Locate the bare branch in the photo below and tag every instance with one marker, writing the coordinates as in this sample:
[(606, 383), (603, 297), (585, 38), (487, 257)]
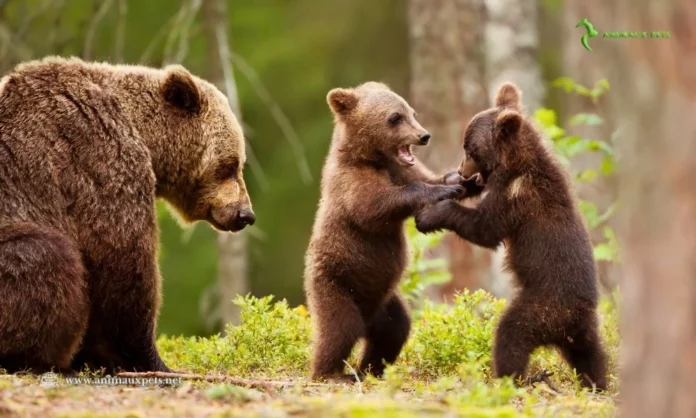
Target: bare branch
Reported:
[(180, 22), (281, 119), (30, 18), (255, 167), (120, 30), (93, 25), (150, 48), (185, 31), (7, 43), (230, 87)]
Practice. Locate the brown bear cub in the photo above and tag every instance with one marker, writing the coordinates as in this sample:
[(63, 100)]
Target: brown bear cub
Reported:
[(528, 205), (371, 182), (85, 148)]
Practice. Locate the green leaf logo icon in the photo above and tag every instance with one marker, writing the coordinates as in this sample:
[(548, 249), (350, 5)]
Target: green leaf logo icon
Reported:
[(591, 33)]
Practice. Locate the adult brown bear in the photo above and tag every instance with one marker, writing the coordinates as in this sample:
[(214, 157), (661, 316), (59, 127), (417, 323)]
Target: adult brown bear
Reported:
[(85, 148)]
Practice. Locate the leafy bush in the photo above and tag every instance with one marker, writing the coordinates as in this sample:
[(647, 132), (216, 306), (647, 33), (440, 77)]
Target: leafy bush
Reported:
[(447, 342), (568, 147)]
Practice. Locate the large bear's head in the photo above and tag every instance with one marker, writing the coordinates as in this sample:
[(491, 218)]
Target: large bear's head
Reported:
[(492, 139), (377, 121), (203, 153)]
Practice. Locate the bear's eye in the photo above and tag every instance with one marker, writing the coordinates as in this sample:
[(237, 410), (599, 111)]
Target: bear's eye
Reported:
[(226, 171), (394, 119)]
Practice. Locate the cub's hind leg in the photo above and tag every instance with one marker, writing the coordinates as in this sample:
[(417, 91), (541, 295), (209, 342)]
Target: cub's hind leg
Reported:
[(337, 327), (385, 335), (583, 350), (517, 335)]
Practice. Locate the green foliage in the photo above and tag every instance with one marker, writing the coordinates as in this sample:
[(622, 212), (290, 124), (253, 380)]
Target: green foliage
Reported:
[(446, 337), (272, 338), (444, 368), (449, 347), (570, 86), (568, 147), (422, 271)]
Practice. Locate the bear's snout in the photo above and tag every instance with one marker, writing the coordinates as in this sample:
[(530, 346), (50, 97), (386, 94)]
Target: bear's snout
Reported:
[(245, 217), (232, 217), (424, 138)]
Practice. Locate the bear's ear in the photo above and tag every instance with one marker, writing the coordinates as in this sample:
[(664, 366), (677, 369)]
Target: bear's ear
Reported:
[(509, 96), (508, 123), (342, 101), (179, 89)]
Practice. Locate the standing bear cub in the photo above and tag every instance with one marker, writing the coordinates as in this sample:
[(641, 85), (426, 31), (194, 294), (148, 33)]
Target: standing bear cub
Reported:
[(530, 208), (85, 148), (371, 182)]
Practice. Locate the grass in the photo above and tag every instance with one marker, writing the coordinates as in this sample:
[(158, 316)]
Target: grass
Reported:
[(443, 371)]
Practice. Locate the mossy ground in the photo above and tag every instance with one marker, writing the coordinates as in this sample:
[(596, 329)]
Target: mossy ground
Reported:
[(443, 371)]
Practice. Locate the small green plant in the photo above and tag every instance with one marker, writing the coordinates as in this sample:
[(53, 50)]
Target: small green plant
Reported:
[(422, 271), (568, 147)]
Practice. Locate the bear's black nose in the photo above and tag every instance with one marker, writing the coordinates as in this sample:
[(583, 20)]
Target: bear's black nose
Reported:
[(425, 138), (246, 217)]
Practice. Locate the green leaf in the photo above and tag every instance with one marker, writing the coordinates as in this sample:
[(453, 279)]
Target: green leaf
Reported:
[(546, 117), (565, 83), (589, 212), (582, 90), (608, 166), (587, 176), (589, 119)]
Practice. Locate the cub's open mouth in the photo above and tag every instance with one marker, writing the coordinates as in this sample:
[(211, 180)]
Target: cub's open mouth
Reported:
[(404, 154)]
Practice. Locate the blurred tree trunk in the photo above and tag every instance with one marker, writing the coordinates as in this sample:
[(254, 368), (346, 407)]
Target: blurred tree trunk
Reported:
[(654, 99), (448, 87), (232, 248), (512, 44)]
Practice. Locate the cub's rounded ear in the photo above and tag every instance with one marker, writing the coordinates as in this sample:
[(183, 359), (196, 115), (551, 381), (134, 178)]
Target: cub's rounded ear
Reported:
[(342, 101), (180, 90), (509, 96), (508, 123)]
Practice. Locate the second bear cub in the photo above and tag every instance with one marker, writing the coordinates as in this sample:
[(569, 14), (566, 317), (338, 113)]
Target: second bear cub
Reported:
[(529, 206), (371, 182)]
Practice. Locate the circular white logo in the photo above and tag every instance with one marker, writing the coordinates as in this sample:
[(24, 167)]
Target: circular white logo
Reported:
[(48, 380)]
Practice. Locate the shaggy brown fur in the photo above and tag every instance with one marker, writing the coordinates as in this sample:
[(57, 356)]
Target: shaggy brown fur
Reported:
[(84, 150), (370, 184), (530, 208)]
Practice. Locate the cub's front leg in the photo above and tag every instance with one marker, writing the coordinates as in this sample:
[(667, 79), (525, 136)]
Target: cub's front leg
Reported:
[(476, 225)]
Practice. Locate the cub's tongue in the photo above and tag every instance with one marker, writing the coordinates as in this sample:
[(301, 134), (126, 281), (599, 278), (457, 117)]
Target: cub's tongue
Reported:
[(405, 156)]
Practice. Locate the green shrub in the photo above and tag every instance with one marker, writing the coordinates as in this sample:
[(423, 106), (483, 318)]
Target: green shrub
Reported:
[(447, 342)]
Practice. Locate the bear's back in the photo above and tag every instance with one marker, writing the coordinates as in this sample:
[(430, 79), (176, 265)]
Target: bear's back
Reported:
[(65, 139)]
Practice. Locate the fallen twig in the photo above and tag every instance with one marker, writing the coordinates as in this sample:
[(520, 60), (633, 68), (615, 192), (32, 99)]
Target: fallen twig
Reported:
[(544, 377)]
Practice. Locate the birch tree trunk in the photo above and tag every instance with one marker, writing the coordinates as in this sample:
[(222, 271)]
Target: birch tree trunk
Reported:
[(512, 44), (654, 98), (448, 87), (232, 248)]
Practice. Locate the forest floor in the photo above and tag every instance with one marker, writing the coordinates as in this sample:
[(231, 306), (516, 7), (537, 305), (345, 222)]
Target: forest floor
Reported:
[(444, 370), (24, 396)]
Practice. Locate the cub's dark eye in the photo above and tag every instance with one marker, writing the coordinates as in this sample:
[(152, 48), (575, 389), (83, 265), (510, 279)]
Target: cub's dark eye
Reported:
[(394, 119)]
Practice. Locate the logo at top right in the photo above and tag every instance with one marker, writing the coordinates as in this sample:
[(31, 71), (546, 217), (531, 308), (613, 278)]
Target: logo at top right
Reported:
[(591, 32)]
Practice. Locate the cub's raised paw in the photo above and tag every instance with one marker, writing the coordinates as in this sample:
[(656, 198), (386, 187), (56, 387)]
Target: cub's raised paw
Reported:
[(434, 218), (447, 192), (475, 180), (452, 177)]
